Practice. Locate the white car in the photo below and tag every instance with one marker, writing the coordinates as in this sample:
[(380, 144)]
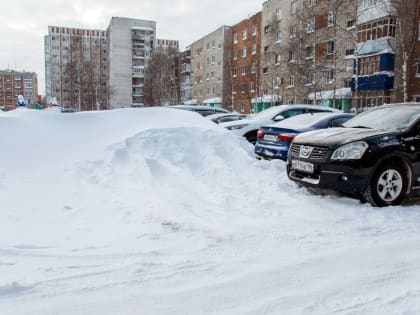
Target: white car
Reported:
[(248, 128)]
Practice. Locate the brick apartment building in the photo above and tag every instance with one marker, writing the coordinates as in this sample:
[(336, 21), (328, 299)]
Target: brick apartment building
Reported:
[(15, 83), (246, 50)]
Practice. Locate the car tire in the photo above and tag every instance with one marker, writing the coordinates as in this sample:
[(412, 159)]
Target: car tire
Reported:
[(388, 186)]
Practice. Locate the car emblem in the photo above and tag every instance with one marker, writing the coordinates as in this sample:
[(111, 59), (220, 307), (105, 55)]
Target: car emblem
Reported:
[(305, 151)]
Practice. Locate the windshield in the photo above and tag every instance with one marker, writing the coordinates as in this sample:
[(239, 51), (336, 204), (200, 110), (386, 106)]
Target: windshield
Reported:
[(385, 118), (268, 113)]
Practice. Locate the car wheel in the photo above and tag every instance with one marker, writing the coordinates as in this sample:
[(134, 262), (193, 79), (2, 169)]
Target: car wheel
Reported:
[(388, 186)]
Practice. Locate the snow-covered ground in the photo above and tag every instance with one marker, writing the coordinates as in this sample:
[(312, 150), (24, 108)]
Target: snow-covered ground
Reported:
[(159, 211)]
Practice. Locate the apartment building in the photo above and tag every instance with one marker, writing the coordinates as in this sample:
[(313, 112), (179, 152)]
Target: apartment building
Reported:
[(306, 52), (131, 43), (375, 53), (275, 20), (15, 83), (210, 68), (246, 50), (76, 67)]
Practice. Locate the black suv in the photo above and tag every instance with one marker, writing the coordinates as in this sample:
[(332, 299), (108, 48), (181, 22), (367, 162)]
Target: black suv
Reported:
[(375, 155)]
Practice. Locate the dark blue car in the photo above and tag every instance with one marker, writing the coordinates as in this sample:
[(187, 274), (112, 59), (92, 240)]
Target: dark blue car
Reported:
[(273, 141)]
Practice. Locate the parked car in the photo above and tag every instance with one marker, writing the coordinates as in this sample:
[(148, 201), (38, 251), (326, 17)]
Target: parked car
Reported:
[(376, 156), (248, 128), (202, 110), (224, 117), (273, 141)]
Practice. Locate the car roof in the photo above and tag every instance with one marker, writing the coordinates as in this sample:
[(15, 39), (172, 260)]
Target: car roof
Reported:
[(309, 119), (198, 107)]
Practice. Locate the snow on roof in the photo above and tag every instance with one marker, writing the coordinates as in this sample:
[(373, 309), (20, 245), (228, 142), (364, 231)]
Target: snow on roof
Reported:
[(191, 102), (382, 46), (327, 95), (266, 98), (213, 100)]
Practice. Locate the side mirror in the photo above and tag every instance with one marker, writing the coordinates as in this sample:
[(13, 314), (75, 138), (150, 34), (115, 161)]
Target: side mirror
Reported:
[(278, 118)]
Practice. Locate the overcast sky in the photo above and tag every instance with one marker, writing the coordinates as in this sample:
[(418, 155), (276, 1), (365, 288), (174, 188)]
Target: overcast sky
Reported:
[(23, 23)]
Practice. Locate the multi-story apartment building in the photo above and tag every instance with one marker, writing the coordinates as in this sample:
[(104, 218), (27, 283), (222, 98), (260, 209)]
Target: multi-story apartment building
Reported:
[(15, 83), (273, 53), (76, 67), (306, 52), (185, 79), (375, 53), (246, 50), (131, 43), (210, 68)]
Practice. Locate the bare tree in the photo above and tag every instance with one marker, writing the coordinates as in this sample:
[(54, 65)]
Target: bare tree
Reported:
[(407, 13), (162, 84)]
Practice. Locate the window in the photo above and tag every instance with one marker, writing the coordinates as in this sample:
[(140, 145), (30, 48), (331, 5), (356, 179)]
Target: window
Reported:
[(207, 76), (309, 52), (278, 37), (265, 70), (17, 77), (254, 30), (351, 24), (208, 46), (416, 98), (330, 18), (253, 67), (310, 78), (243, 70), (293, 7), (213, 60), (350, 52), (234, 72), (309, 3), (291, 81), (252, 86), (213, 44), (242, 107), (310, 26), (291, 56), (235, 54), (212, 75), (276, 83), (243, 87), (292, 31), (235, 38), (418, 69), (279, 14), (368, 65), (267, 29), (266, 49), (243, 52), (376, 29), (277, 59), (329, 76), (254, 49), (330, 47), (244, 35)]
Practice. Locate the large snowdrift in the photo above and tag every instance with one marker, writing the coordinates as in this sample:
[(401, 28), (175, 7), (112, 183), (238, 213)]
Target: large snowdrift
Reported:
[(160, 211)]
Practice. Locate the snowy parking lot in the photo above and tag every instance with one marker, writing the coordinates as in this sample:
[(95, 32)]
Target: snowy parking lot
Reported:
[(160, 211)]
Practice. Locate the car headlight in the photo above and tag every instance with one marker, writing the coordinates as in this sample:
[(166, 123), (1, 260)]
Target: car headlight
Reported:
[(237, 127), (350, 151)]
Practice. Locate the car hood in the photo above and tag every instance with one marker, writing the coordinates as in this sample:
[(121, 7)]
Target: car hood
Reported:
[(337, 136)]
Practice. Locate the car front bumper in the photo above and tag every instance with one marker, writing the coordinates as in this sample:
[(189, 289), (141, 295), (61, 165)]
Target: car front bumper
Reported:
[(346, 177)]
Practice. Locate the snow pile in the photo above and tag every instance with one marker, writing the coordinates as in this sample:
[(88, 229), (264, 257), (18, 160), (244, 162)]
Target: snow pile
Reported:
[(160, 211)]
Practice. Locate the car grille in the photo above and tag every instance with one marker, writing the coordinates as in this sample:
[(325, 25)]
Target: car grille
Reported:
[(318, 153)]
